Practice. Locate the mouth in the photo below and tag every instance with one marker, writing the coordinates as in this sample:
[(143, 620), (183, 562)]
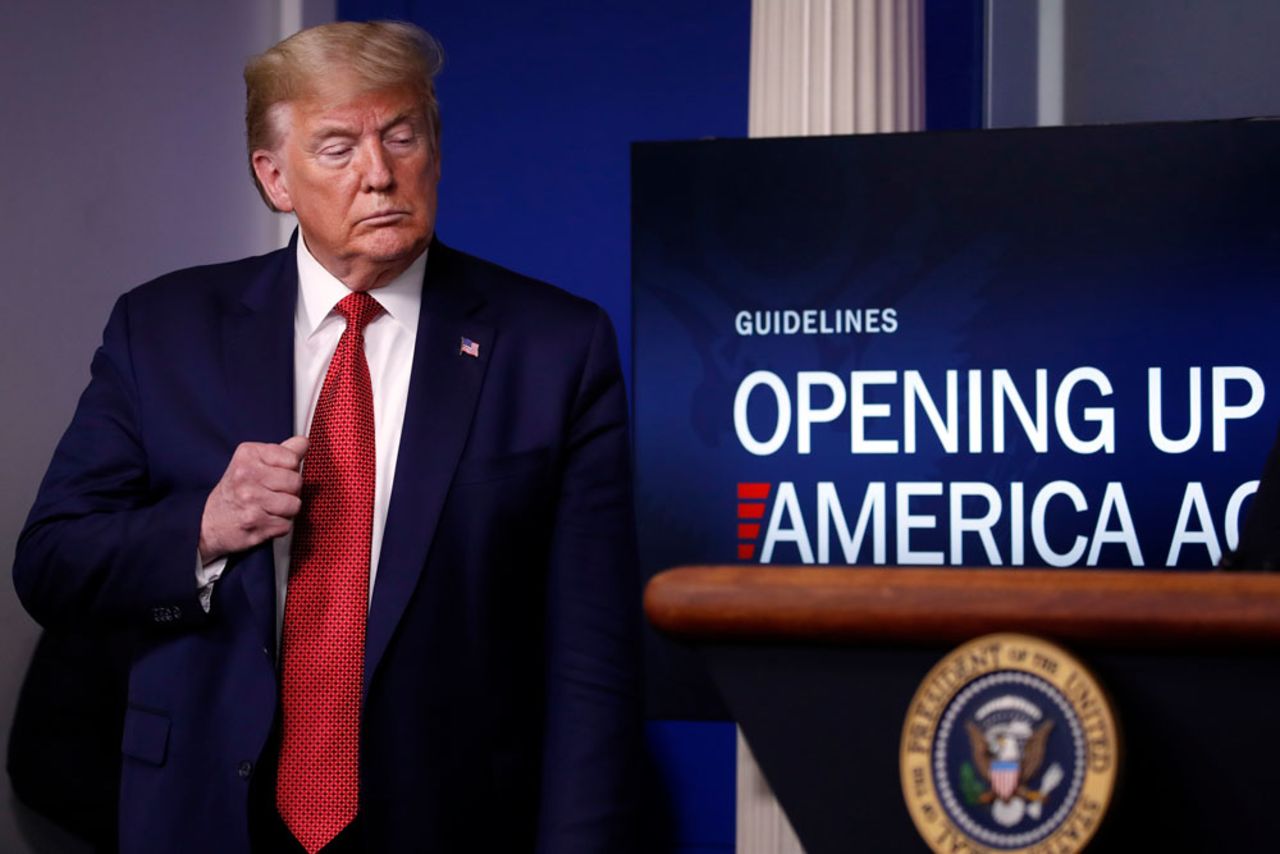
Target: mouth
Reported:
[(384, 218)]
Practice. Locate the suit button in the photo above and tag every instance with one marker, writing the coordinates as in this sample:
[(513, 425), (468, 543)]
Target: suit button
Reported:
[(244, 769)]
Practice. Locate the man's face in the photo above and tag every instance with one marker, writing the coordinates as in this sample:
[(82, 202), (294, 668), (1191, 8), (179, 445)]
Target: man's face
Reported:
[(359, 170)]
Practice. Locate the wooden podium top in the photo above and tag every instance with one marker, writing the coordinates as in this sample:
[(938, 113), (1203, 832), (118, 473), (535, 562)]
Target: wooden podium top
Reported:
[(1142, 608)]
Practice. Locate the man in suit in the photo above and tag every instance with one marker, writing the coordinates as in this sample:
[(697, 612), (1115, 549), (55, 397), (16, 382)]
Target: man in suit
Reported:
[(364, 503)]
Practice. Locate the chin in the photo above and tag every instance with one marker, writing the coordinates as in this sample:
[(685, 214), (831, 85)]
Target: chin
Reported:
[(392, 246)]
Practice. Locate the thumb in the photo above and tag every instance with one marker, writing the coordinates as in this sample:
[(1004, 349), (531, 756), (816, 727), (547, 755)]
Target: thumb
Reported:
[(297, 444)]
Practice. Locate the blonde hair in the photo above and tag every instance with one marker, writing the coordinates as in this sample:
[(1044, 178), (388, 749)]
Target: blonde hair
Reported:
[(378, 54)]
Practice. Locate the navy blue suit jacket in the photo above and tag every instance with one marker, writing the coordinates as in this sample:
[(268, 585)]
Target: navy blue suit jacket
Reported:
[(501, 708)]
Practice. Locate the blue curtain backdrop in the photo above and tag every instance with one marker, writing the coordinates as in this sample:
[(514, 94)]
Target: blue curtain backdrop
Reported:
[(540, 103)]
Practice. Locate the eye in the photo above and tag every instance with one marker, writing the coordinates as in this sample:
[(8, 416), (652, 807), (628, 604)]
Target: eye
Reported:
[(402, 136), (335, 152)]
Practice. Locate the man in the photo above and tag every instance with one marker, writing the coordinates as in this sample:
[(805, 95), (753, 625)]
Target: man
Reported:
[(366, 503)]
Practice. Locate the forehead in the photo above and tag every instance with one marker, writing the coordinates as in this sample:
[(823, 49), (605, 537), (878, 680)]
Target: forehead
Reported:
[(349, 107)]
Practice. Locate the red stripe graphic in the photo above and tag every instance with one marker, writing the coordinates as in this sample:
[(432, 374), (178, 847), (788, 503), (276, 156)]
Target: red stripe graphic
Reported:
[(752, 498)]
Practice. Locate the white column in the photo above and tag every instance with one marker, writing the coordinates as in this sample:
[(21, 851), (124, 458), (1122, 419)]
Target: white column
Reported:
[(836, 66), (761, 826), (823, 67)]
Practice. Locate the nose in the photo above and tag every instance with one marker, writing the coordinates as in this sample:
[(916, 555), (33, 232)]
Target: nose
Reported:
[(376, 169)]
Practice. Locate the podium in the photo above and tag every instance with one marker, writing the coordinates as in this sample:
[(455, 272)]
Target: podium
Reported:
[(819, 666)]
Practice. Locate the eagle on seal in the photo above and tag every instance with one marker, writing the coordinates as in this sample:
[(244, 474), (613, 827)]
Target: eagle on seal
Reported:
[(1006, 758)]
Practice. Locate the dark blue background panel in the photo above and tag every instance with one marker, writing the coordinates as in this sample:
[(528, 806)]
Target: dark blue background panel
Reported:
[(697, 761), (954, 63), (1042, 270)]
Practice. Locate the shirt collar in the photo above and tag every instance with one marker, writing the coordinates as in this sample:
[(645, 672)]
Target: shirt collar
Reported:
[(319, 291)]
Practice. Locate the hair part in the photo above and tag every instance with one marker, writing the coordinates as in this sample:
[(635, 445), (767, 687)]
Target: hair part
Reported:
[(376, 54)]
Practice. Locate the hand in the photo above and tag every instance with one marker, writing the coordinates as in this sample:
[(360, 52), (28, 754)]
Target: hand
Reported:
[(256, 499)]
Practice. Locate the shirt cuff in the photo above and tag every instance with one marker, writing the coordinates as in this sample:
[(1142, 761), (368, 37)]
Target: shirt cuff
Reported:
[(206, 575)]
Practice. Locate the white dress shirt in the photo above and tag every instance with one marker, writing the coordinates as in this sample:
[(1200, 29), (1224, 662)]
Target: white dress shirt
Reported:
[(389, 340)]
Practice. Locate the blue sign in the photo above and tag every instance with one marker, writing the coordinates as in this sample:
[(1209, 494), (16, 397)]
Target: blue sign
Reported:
[(1042, 347)]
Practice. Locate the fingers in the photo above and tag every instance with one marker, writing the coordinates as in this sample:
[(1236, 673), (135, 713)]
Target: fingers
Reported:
[(281, 505), (256, 499), (288, 454), (283, 480), (274, 467)]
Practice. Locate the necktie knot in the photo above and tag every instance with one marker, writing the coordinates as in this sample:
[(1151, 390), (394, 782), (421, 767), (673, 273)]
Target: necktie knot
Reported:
[(359, 309)]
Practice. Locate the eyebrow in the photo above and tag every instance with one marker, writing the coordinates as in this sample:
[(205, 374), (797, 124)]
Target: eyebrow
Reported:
[(349, 132)]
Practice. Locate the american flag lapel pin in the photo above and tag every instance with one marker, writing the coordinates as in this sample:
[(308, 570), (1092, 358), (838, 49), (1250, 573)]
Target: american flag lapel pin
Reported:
[(469, 348)]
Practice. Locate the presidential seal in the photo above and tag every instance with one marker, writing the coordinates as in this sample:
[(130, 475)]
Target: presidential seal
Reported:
[(1009, 745)]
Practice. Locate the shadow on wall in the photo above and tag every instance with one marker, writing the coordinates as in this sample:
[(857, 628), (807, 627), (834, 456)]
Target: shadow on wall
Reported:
[(64, 747), (43, 836)]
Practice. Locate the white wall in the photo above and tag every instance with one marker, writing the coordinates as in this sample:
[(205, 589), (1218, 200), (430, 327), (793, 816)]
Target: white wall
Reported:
[(123, 157)]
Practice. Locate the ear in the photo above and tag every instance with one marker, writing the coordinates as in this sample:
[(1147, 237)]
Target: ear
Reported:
[(269, 167)]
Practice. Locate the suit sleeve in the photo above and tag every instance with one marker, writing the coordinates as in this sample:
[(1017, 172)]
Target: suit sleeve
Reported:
[(101, 545), (594, 711)]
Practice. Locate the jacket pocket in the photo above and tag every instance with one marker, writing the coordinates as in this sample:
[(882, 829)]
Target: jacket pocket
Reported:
[(146, 735)]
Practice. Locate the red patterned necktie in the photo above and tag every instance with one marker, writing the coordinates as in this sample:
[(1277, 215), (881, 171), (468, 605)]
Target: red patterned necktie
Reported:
[(317, 787)]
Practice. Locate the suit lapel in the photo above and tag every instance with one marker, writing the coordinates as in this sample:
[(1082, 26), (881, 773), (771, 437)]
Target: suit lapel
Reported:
[(257, 337), (443, 389)]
